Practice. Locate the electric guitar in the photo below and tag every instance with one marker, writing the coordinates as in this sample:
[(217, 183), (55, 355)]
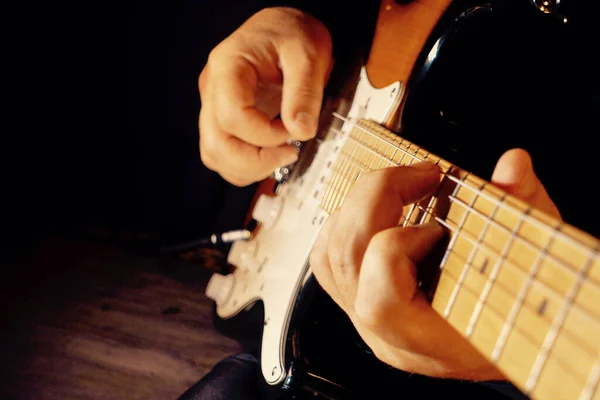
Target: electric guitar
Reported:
[(521, 286)]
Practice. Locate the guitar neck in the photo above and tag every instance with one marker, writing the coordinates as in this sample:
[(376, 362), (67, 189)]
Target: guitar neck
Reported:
[(520, 285)]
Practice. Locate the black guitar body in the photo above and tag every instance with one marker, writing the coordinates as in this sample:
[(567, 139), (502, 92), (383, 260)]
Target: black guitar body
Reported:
[(506, 76)]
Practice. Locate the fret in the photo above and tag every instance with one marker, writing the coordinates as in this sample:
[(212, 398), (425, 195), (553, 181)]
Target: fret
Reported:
[(397, 143), (404, 147), (347, 158), (521, 343), (461, 224), (393, 146), (385, 147), (531, 328), (365, 141), (491, 267), (346, 181), (344, 175), (543, 357), (354, 173), (332, 175), (554, 271), (429, 208), (480, 239), (359, 168), (517, 305), (375, 156), (591, 385), (411, 208), (337, 169), (340, 172)]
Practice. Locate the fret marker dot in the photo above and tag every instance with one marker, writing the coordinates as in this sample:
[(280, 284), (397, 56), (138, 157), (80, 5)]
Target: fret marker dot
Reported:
[(543, 306), (484, 266)]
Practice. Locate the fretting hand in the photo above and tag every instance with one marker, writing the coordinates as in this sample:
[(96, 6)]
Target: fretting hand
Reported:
[(367, 265)]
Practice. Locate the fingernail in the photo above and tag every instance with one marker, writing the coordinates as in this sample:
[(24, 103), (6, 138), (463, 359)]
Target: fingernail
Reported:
[(306, 121), (424, 165)]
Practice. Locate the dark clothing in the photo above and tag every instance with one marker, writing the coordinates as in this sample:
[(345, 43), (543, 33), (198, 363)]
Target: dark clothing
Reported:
[(238, 377)]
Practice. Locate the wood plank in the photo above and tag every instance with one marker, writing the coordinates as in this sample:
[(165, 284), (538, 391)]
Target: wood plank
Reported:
[(89, 321)]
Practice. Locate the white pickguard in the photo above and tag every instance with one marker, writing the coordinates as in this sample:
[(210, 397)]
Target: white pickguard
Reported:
[(272, 265)]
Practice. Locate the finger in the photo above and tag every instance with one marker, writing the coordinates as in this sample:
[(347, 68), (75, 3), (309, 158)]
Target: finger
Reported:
[(238, 162), (390, 306), (514, 173), (387, 286), (305, 71), (234, 88), (374, 204), (202, 81)]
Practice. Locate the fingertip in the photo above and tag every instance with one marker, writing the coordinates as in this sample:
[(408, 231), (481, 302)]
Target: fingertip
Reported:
[(434, 228), (512, 167), (304, 126), (514, 173), (288, 157), (427, 168), (424, 166), (279, 156)]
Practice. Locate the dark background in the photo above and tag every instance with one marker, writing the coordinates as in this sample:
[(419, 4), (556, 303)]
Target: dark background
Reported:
[(102, 124), (100, 135)]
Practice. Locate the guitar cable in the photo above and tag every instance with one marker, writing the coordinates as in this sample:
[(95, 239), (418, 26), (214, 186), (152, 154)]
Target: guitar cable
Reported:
[(215, 239)]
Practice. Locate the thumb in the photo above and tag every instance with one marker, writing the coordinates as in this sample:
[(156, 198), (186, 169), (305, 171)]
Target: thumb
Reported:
[(514, 173), (388, 276), (388, 300), (305, 71)]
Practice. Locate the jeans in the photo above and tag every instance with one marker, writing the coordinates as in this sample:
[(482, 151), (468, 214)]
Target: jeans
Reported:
[(238, 377)]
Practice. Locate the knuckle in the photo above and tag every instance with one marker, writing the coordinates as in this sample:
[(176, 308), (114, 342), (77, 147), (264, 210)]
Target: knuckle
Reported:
[(376, 180), (208, 156), (202, 81), (239, 181), (214, 57), (308, 92), (336, 252), (307, 51), (318, 257), (341, 257), (317, 35), (369, 315), (378, 250), (228, 119)]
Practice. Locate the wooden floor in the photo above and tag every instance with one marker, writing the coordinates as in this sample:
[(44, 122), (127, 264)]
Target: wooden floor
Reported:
[(90, 321)]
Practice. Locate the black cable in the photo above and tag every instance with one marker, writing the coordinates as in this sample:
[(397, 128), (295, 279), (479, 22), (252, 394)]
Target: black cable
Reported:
[(212, 240)]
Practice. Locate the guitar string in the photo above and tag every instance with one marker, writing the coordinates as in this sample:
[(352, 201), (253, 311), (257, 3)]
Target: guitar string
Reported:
[(526, 334), (574, 339), (508, 262), (571, 337), (582, 247), (592, 253), (470, 209), (567, 268), (551, 290)]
